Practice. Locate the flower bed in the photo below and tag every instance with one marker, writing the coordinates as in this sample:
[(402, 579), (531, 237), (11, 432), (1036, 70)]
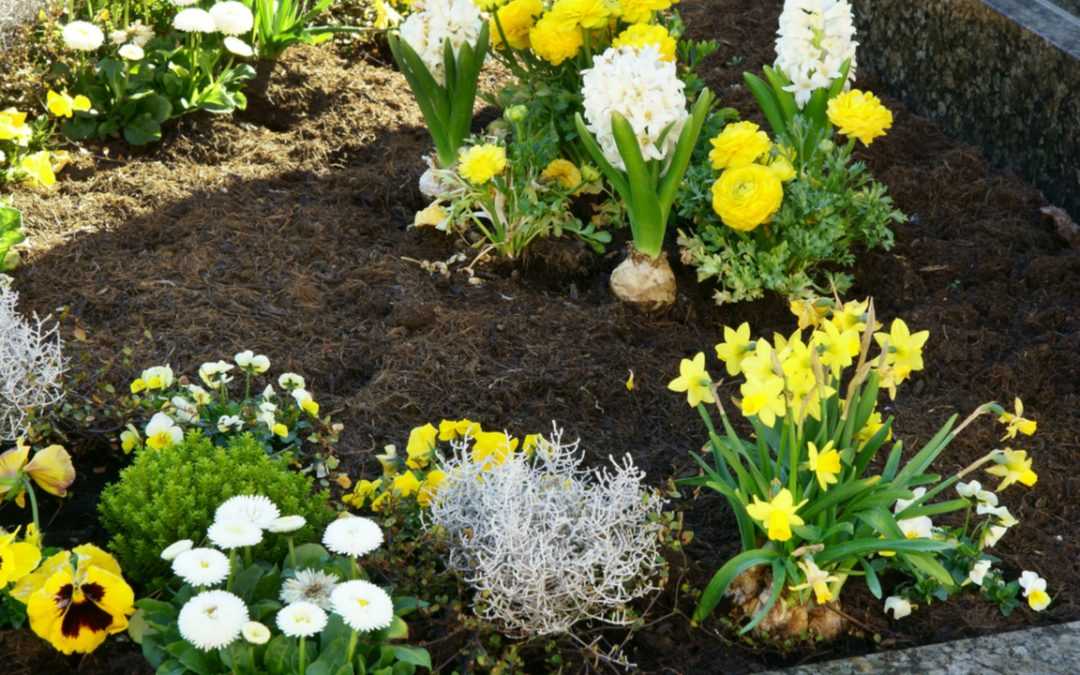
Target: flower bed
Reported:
[(289, 238)]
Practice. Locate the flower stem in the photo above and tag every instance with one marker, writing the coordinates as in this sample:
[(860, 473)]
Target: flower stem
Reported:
[(352, 646), (292, 553), (303, 655), (232, 569), (33, 503)]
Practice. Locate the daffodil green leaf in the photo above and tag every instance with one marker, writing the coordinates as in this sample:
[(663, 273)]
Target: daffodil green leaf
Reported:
[(726, 574), (872, 581), (779, 576), (861, 547)]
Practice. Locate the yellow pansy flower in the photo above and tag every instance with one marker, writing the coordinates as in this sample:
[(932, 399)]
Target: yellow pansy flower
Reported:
[(50, 468), (492, 448), (420, 446), (778, 515), (38, 167), (430, 487), (405, 484), (17, 558), (13, 127), (450, 430), (694, 380), (63, 105)]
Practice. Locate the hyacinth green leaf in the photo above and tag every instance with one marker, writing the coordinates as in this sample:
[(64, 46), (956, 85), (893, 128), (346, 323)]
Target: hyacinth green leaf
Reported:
[(934, 509), (838, 84), (616, 177), (836, 495), (684, 149), (785, 99), (769, 105), (718, 585), (646, 223)]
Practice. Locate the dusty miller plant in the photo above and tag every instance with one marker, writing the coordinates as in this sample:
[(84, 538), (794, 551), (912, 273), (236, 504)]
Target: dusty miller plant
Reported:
[(31, 364), (546, 543)]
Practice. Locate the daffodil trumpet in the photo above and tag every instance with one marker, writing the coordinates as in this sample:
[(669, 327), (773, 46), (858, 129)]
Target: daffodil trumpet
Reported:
[(447, 108), (648, 189)]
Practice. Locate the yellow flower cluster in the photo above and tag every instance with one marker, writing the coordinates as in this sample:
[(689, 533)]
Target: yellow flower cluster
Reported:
[(417, 475), (860, 115), (641, 34), (750, 190), (480, 163), (36, 166), (639, 11)]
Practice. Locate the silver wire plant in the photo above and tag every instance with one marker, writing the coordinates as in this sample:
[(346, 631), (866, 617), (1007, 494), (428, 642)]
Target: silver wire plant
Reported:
[(547, 543), (31, 364)]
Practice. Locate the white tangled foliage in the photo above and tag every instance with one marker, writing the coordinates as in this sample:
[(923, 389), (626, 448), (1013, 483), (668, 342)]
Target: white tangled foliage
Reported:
[(433, 22), (547, 543), (814, 40), (639, 84), (31, 364)]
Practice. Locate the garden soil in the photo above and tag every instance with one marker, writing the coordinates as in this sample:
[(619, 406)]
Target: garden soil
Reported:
[(287, 233)]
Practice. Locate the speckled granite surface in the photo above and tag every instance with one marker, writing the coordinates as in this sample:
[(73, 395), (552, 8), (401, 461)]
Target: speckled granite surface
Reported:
[(1037, 651), (1013, 90)]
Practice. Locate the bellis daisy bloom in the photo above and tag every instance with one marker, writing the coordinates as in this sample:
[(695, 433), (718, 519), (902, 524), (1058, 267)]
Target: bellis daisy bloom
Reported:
[(286, 524), (301, 619), (232, 17), (311, 586), (238, 47), (194, 20), (353, 536), (201, 567), (132, 52), (255, 509), (82, 36), (176, 548), (212, 620), (255, 633), (230, 534), (362, 605)]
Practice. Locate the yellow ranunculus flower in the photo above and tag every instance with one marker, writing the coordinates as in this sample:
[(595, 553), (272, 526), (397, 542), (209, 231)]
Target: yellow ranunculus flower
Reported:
[(480, 163), (76, 609), (405, 484), (641, 11), (564, 172), (421, 444), (516, 19), (38, 167), (739, 144), (555, 41), (777, 515), (825, 464), (1013, 466), (747, 197), (694, 380), (860, 115), (63, 105), (641, 34), (430, 487), (17, 558), (581, 13)]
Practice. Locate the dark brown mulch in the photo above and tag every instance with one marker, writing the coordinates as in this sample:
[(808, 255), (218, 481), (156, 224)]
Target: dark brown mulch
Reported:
[(288, 236)]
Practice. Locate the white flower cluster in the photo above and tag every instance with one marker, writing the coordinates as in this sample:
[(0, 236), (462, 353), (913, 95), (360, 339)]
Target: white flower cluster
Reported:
[(31, 365), (230, 18), (814, 40), (215, 618), (433, 22), (546, 543), (639, 85)]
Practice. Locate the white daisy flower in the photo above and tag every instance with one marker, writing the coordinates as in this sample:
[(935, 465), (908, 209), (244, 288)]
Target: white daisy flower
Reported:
[(82, 36), (255, 509), (176, 548), (230, 534), (194, 20), (201, 567), (309, 585), (362, 605), (212, 619), (899, 606), (243, 50), (232, 18), (287, 524), (353, 536), (291, 381), (255, 633), (132, 52), (301, 619)]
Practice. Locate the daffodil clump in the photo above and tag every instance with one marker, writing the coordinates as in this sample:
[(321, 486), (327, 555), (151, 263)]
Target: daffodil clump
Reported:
[(316, 609), (228, 399), (814, 506), (510, 189)]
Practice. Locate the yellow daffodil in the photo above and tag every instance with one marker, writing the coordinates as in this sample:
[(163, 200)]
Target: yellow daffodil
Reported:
[(405, 484), (480, 163), (904, 348), (1012, 466), (778, 515), (809, 313), (38, 167), (872, 426), (797, 364), (694, 380), (825, 464), (736, 346), (17, 558), (763, 398), (492, 448), (430, 487), (837, 348), (761, 364), (816, 579), (63, 105), (859, 114), (450, 430), (852, 316), (81, 602), (630, 381), (739, 144), (1016, 423), (433, 215), (420, 446), (50, 468)]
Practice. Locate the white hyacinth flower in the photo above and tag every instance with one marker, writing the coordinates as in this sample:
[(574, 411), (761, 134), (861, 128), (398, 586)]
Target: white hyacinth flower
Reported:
[(427, 30), (814, 40)]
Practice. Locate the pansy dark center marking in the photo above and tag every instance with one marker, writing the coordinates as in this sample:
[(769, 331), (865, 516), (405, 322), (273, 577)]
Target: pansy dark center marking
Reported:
[(82, 613)]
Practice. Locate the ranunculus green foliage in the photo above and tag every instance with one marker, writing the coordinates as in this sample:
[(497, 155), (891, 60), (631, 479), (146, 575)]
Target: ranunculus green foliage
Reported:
[(10, 234), (648, 188), (171, 494), (448, 108)]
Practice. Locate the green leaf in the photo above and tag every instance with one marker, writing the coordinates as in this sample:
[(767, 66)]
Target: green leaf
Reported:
[(279, 654), (861, 547), (838, 494), (646, 224), (726, 574), (770, 107), (779, 575), (926, 564), (310, 555), (199, 662), (872, 581), (416, 656), (398, 630), (925, 457)]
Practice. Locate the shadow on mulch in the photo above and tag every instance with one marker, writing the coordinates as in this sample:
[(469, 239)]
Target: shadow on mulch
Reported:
[(292, 241)]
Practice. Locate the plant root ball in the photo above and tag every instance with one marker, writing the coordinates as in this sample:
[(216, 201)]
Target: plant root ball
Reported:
[(647, 283)]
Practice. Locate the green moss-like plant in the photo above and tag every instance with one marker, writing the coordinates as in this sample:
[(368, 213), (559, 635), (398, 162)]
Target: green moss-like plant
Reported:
[(171, 494)]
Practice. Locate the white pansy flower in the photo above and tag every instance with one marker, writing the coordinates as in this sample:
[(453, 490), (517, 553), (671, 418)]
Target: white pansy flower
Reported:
[(902, 504), (642, 87), (291, 381), (227, 423), (978, 572), (158, 377), (993, 535), (215, 373), (1034, 590), (162, 432), (917, 528), (900, 607), (186, 411), (198, 394)]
